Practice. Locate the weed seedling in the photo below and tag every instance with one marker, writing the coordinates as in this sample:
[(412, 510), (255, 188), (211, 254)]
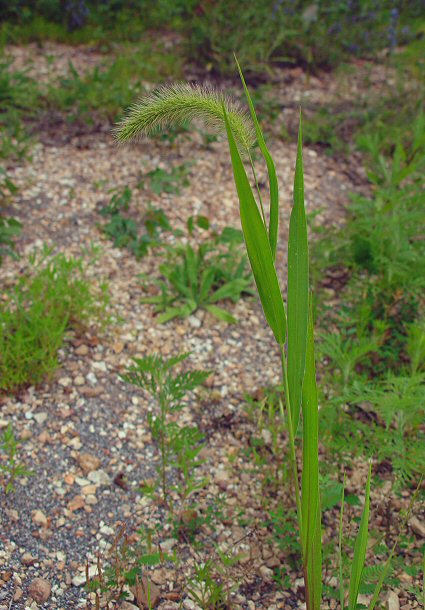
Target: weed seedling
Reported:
[(179, 445), (161, 181), (126, 567), (124, 232), (10, 465), (199, 277)]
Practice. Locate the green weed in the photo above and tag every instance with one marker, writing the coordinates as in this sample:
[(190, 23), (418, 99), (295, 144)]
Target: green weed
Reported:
[(124, 232), (101, 92), (18, 100), (179, 445), (10, 465), (51, 297), (161, 181), (199, 277), (125, 568)]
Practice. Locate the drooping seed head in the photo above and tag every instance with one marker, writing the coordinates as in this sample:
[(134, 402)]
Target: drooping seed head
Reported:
[(180, 104)]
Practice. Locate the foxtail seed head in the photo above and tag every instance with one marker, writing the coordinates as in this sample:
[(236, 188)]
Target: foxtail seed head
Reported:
[(181, 103)]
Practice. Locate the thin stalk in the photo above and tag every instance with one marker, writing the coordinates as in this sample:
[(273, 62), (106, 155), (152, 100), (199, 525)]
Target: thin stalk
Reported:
[(162, 404), (341, 582), (258, 189), (291, 438)]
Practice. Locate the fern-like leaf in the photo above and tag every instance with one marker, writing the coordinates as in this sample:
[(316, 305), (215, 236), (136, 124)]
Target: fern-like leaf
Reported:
[(181, 103)]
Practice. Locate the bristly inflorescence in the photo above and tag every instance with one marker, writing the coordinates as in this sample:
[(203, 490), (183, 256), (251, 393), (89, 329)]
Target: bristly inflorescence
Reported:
[(181, 103)]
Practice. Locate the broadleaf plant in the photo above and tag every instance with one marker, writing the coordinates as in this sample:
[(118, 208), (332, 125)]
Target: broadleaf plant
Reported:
[(293, 333)]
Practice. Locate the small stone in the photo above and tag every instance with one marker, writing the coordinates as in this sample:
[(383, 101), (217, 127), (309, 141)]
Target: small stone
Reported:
[(44, 437), (39, 589), (222, 479), (417, 526), (194, 321), (91, 499), (65, 381), (118, 347), (91, 378), (392, 602), (140, 592), (80, 579), (168, 544), (87, 462), (40, 418), (189, 516), (88, 490), (79, 380), (12, 514), (99, 366), (76, 503), (82, 350), (273, 562), (39, 518), (266, 573), (99, 477), (28, 560)]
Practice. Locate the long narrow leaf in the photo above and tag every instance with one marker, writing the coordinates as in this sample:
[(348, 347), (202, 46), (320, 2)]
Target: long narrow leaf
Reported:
[(341, 580), (271, 169), (258, 246), (360, 549), (310, 501), (298, 289)]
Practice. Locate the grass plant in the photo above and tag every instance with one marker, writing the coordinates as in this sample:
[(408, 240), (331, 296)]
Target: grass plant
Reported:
[(53, 296), (292, 325)]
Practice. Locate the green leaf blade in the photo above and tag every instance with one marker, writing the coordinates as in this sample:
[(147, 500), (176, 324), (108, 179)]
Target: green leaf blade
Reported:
[(310, 502), (360, 549), (271, 169), (298, 290), (258, 246)]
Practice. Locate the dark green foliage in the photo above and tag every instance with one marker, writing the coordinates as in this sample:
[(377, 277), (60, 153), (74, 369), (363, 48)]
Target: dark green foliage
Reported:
[(51, 297), (281, 31), (161, 181), (124, 232), (18, 100), (100, 92), (198, 277), (9, 227)]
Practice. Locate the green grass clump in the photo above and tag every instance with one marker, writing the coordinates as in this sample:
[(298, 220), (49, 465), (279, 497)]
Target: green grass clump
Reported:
[(101, 92), (18, 101), (53, 296), (9, 227)]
